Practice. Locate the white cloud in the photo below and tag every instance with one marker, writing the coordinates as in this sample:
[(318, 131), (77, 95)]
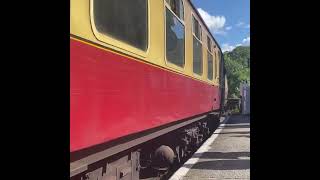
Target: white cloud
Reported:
[(228, 28), (243, 25), (246, 41), (226, 47), (240, 24), (221, 32), (214, 23)]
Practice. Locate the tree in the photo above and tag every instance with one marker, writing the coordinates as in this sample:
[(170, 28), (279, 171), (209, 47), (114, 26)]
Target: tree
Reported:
[(237, 68)]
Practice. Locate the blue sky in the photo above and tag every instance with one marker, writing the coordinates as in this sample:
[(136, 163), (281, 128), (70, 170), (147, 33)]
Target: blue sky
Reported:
[(228, 20)]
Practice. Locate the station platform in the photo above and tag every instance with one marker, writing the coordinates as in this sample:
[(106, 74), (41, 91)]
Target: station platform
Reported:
[(225, 155)]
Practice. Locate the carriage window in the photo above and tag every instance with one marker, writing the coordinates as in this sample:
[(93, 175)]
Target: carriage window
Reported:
[(125, 20), (196, 28), (209, 43), (210, 66), (177, 7), (174, 39), (197, 48), (215, 65)]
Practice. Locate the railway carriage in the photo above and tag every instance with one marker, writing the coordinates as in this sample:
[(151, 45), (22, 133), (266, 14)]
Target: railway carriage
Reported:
[(146, 86)]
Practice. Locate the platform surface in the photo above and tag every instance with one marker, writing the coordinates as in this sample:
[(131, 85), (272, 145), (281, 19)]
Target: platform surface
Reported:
[(225, 155)]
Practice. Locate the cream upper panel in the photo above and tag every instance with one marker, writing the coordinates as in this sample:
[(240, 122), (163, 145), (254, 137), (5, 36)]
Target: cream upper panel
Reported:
[(81, 25)]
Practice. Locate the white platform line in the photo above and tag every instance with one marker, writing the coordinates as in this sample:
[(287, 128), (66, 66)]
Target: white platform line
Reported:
[(183, 170)]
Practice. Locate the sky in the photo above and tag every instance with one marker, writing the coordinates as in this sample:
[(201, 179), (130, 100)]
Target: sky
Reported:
[(228, 21)]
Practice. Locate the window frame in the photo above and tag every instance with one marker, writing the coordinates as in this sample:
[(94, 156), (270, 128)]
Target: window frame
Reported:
[(116, 43), (208, 38), (167, 62), (210, 51), (193, 15), (217, 65)]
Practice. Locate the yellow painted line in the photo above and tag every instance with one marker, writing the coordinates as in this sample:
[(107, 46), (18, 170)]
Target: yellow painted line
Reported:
[(139, 60)]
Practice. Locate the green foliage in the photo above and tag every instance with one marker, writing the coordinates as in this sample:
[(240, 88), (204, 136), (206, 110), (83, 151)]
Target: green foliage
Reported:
[(237, 67)]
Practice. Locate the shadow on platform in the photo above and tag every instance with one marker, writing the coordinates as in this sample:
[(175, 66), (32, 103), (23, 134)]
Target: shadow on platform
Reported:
[(234, 132), (221, 165), (246, 136), (238, 119), (222, 155), (235, 126), (222, 161)]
